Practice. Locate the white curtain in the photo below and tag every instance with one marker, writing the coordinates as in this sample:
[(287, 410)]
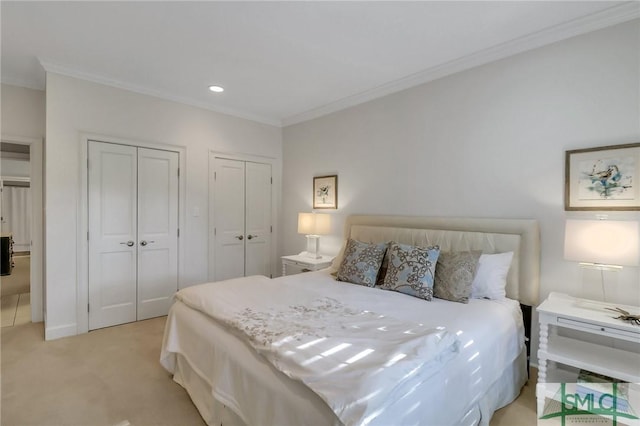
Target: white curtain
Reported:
[(16, 216)]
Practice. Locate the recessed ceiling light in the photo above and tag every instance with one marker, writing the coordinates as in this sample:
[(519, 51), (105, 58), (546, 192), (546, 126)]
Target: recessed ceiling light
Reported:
[(216, 89)]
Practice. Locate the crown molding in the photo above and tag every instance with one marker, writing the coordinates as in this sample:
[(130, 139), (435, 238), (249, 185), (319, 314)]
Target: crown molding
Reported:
[(609, 17), (21, 82), (606, 18), (51, 67)]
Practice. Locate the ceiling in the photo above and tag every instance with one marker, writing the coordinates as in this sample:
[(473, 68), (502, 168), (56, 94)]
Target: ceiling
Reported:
[(280, 62)]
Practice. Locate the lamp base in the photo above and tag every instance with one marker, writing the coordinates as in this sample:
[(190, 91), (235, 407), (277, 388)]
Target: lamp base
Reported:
[(313, 244), (600, 266), (593, 274)]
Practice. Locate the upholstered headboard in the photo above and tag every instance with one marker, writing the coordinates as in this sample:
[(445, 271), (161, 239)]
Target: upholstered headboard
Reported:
[(521, 236)]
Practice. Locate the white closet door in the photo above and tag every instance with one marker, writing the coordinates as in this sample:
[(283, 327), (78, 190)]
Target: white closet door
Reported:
[(157, 231), (112, 190), (241, 218), (258, 219), (229, 218)]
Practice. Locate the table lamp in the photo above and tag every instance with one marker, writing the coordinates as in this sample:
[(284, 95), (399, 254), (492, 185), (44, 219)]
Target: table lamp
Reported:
[(313, 225), (606, 245)]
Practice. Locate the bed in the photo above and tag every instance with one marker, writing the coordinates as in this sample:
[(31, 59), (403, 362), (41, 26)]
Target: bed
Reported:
[(446, 363)]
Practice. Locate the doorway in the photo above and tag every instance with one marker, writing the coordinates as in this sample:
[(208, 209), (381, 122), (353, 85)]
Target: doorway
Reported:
[(15, 224), (22, 230)]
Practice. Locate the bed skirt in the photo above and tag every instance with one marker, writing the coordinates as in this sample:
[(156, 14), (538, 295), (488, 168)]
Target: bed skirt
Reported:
[(501, 393)]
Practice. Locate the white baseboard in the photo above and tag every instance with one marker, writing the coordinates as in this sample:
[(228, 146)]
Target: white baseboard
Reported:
[(57, 332)]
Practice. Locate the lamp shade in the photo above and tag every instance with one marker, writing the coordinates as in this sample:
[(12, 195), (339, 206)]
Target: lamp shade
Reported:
[(314, 223), (602, 242)]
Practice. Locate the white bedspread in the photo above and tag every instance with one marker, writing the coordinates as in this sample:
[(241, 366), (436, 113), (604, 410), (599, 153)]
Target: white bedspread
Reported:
[(358, 360), (465, 392)]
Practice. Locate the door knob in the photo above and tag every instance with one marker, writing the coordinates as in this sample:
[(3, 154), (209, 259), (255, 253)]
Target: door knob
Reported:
[(144, 243), (240, 237), (251, 237), (128, 243)]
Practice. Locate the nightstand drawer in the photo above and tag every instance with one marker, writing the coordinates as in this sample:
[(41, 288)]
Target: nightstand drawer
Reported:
[(300, 264), (600, 329), (297, 263), (297, 268)]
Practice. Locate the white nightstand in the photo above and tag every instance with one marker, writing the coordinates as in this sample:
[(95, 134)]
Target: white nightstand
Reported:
[(299, 263), (560, 311)]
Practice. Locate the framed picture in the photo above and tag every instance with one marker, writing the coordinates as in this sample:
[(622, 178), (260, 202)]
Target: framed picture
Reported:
[(325, 192), (606, 178)]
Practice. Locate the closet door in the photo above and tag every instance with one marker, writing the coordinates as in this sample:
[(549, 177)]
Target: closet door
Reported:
[(241, 218), (112, 186), (229, 218), (133, 233), (258, 219), (157, 231)]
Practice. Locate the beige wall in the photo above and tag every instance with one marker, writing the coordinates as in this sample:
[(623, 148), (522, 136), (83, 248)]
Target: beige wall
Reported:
[(23, 112), (487, 142), (76, 108)]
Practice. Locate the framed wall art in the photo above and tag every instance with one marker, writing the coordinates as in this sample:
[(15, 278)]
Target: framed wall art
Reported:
[(605, 178), (325, 192)]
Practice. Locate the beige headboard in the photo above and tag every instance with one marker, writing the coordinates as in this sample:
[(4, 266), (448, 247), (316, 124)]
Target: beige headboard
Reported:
[(521, 236)]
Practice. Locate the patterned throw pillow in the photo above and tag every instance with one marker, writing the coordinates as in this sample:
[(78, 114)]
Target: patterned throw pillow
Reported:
[(411, 270), (361, 262), (454, 275)]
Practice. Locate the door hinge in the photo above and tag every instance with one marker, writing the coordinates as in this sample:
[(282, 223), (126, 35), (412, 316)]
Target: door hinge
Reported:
[(271, 181), (87, 235), (88, 307), (87, 164), (178, 232), (178, 171), (271, 228), (215, 230), (215, 175)]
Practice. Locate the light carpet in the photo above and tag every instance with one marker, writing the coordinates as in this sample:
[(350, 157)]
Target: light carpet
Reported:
[(105, 377), (113, 377)]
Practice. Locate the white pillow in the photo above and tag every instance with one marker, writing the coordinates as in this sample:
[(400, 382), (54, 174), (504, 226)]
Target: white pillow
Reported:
[(491, 278)]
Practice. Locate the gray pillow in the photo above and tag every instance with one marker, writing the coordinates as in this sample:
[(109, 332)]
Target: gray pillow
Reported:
[(454, 275), (361, 262)]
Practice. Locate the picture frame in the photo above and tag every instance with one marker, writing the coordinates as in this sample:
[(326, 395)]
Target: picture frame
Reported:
[(325, 192), (603, 178)]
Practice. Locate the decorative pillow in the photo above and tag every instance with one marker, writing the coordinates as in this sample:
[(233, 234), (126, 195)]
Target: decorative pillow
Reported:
[(361, 262), (491, 279), (454, 275), (411, 270)]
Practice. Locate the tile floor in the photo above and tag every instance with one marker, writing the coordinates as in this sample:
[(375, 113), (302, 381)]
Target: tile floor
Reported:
[(15, 309)]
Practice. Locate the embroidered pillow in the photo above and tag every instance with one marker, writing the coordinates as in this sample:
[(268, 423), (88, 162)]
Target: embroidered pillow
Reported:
[(454, 275), (361, 262), (491, 278), (411, 270)]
